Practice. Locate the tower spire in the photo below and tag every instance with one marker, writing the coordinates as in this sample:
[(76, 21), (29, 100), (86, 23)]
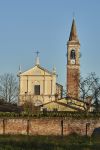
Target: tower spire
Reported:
[(73, 63), (37, 61), (73, 33)]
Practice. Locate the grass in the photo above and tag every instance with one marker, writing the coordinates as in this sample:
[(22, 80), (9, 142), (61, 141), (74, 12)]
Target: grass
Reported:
[(71, 142)]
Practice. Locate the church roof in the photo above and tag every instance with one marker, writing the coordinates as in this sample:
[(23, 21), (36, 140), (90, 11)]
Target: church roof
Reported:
[(42, 68), (37, 67), (73, 33), (76, 108)]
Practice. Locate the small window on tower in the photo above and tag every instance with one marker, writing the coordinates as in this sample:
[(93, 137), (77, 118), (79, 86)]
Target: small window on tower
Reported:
[(72, 54), (37, 89)]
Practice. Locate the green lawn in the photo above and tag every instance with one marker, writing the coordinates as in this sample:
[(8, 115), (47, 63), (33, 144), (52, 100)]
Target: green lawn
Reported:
[(71, 142)]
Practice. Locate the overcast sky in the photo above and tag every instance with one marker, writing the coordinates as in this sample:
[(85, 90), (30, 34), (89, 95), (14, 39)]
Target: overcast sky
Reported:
[(44, 25)]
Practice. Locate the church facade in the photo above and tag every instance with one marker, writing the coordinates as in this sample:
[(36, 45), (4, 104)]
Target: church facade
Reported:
[(38, 85)]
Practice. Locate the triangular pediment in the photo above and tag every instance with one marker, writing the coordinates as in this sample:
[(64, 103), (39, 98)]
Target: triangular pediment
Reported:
[(36, 70)]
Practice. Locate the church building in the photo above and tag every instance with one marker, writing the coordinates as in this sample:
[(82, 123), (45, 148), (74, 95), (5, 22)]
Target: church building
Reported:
[(39, 86)]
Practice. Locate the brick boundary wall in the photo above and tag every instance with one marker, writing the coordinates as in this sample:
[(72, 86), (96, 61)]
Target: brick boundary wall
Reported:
[(48, 126)]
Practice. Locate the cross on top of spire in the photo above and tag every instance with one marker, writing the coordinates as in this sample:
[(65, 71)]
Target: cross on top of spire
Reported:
[(73, 14), (37, 53)]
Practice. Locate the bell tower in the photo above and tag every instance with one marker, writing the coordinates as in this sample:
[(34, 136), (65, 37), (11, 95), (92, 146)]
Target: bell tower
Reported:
[(73, 63)]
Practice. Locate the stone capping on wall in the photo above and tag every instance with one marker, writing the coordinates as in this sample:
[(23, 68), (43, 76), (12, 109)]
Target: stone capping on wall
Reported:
[(48, 126)]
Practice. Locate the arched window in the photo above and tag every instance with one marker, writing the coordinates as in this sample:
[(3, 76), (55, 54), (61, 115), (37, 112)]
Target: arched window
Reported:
[(72, 54)]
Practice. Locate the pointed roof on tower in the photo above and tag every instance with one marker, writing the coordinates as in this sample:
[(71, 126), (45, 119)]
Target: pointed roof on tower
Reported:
[(73, 33)]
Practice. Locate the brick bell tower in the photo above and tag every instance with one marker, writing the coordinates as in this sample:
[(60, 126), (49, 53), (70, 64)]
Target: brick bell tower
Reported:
[(73, 63)]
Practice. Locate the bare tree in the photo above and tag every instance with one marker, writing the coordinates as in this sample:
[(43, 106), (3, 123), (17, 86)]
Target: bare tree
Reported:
[(90, 91), (9, 87), (89, 88)]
